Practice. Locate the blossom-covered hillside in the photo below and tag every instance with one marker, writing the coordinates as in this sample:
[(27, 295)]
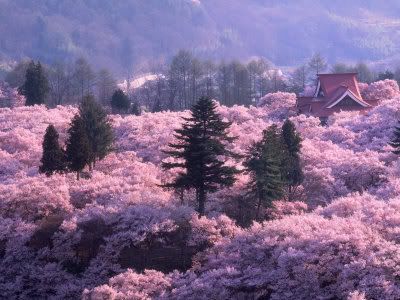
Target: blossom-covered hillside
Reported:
[(116, 234)]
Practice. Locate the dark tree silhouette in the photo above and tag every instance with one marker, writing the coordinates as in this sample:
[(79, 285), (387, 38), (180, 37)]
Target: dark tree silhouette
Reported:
[(98, 129), (36, 85), (120, 102), (263, 163), (78, 148), (201, 146), (292, 172), (53, 158)]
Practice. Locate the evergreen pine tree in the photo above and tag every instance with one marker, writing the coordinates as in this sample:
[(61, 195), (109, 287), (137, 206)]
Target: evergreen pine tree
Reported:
[(36, 85), (263, 163), (98, 129), (53, 158), (135, 109), (120, 101), (78, 148), (201, 148), (292, 173), (395, 142)]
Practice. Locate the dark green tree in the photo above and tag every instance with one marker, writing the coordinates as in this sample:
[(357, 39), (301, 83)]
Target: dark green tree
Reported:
[(98, 129), (292, 172), (202, 153), (36, 85), (263, 164), (120, 101), (395, 142), (78, 149), (53, 157), (135, 109)]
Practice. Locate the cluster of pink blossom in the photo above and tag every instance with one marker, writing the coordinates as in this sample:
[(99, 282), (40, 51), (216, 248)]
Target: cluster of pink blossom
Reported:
[(147, 134), (279, 105), (362, 86), (60, 237), (281, 209), (380, 90), (131, 285)]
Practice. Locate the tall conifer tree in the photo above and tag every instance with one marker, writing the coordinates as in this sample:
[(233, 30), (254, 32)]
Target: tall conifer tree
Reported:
[(78, 148), (135, 109), (98, 129), (120, 101), (201, 148), (53, 158), (263, 163), (36, 85), (292, 174)]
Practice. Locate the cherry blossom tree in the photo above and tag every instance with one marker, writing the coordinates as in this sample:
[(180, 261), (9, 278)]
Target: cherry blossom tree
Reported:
[(381, 90), (280, 104)]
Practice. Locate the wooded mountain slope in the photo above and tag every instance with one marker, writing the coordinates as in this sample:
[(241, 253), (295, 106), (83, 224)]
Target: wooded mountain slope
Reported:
[(127, 34)]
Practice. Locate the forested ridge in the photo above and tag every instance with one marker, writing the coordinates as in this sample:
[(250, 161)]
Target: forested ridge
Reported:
[(126, 36)]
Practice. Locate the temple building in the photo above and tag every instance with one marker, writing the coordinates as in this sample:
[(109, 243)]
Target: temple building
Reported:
[(334, 93)]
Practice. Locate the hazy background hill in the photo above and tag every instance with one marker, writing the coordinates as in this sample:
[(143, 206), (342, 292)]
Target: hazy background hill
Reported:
[(130, 34)]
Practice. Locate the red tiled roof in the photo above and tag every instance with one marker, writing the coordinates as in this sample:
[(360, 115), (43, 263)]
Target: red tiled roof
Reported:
[(330, 83), (334, 87), (340, 92)]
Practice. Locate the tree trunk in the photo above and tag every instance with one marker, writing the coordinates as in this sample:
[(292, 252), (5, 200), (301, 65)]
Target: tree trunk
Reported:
[(202, 200), (171, 100), (181, 196), (258, 206), (78, 175), (258, 209)]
